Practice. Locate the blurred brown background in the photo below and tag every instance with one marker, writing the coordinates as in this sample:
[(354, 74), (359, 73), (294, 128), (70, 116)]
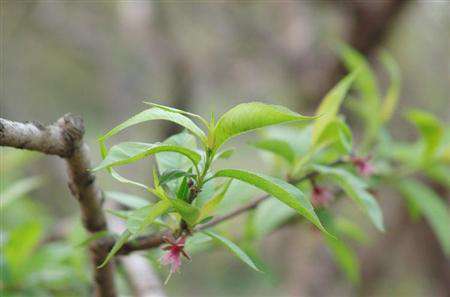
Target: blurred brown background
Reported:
[(101, 59)]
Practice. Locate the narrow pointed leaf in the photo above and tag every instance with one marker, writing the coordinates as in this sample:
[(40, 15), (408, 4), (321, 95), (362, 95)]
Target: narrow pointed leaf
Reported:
[(210, 206), (390, 100), (128, 152), (329, 107), (188, 212), (355, 188), (183, 190), (246, 117), (171, 109), (173, 174), (283, 191), (278, 147), (435, 210), (157, 114), (225, 154), (117, 245), (143, 217), (336, 134), (431, 130), (237, 251), (93, 237), (126, 199), (367, 86)]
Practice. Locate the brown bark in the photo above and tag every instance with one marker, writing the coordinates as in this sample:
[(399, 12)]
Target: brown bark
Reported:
[(65, 139)]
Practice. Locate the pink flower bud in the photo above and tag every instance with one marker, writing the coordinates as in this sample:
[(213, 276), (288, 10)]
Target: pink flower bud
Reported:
[(321, 196), (363, 165)]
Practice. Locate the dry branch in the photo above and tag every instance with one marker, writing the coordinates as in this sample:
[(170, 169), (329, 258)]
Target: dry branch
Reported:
[(65, 139)]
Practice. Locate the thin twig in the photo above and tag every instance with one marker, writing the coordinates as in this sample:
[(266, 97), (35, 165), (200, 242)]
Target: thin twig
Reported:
[(65, 139)]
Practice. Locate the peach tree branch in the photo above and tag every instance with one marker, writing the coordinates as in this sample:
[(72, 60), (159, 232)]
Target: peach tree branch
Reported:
[(64, 138)]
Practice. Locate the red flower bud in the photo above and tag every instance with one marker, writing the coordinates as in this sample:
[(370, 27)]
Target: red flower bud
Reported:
[(321, 196), (363, 165)]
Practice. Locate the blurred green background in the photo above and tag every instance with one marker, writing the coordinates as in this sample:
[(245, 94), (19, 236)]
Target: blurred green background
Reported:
[(101, 59)]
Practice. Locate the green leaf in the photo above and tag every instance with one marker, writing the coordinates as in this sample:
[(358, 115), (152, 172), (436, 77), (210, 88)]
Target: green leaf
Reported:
[(431, 130), (183, 190), (355, 189), (128, 152), (19, 189), (92, 237), (345, 257), (122, 214), (278, 147), (329, 107), (351, 230), (342, 254), (338, 134), (225, 154), (283, 191), (246, 117), (299, 138), (188, 212), (173, 174), (366, 84), (433, 207), (233, 248), (117, 245), (141, 218), (156, 113), (439, 173), (393, 92), (170, 160), (270, 215), (210, 206), (208, 190), (171, 109), (126, 199)]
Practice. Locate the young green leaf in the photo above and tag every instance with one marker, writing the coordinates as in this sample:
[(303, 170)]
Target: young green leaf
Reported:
[(233, 248), (355, 189), (337, 134), (188, 212), (183, 190), (126, 199), (366, 84), (278, 147), (170, 160), (342, 254), (225, 154), (283, 191), (173, 174), (128, 152), (250, 116), (210, 206), (93, 237), (431, 130), (345, 257), (156, 113), (270, 215), (202, 120), (435, 210), (390, 100), (329, 107), (141, 218), (123, 238)]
